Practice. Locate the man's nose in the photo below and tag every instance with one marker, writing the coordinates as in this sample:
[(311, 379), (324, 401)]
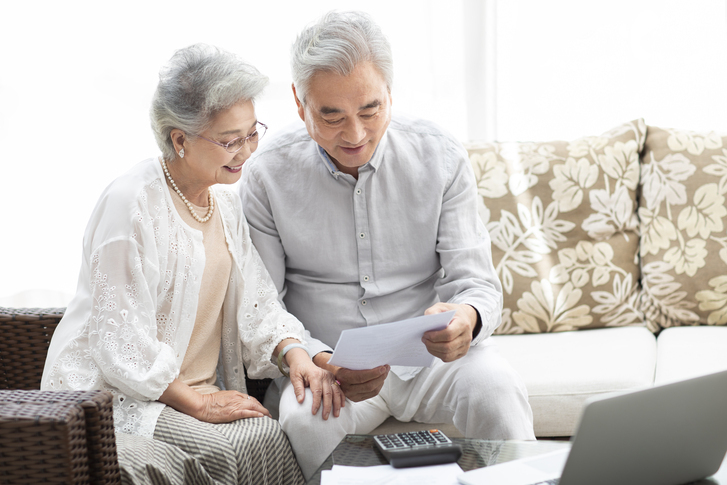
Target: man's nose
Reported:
[(354, 131)]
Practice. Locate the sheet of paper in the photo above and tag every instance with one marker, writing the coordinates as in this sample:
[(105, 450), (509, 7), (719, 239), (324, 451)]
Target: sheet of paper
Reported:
[(398, 343), (388, 475)]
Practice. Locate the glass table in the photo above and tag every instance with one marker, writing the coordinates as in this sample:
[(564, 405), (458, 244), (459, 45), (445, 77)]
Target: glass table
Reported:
[(358, 450)]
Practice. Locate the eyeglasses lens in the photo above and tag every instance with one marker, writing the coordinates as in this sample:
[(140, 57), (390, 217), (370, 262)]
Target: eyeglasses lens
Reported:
[(252, 138)]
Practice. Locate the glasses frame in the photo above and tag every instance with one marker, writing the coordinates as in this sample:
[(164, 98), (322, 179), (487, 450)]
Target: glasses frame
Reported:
[(245, 139)]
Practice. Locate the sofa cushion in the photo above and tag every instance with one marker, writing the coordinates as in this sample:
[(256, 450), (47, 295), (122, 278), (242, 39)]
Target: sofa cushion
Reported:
[(561, 370), (683, 219), (685, 352), (562, 218)]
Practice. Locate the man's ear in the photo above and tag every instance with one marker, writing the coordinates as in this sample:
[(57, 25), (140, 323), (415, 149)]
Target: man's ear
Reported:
[(301, 108)]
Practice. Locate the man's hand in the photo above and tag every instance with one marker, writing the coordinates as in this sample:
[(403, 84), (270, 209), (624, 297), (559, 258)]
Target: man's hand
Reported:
[(453, 342), (357, 385)]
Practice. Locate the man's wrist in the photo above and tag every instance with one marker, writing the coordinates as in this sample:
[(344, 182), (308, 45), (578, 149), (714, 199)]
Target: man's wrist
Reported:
[(321, 358)]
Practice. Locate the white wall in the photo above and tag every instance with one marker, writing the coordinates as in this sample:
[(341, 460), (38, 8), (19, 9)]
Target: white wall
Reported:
[(76, 79), (569, 68)]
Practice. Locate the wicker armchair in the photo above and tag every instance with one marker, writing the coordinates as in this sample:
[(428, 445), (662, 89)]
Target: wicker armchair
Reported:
[(48, 436), (53, 436)]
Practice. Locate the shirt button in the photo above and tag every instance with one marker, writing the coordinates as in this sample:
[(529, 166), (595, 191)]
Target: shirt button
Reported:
[(362, 235), (365, 278), (358, 191), (363, 302)]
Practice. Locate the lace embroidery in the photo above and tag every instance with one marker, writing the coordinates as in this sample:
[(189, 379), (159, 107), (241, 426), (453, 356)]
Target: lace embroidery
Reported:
[(144, 291)]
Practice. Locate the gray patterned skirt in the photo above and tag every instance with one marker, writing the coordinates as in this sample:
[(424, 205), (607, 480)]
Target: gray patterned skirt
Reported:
[(185, 450)]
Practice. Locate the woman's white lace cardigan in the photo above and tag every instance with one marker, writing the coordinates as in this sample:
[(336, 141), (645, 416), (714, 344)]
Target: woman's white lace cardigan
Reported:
[(129, 324)]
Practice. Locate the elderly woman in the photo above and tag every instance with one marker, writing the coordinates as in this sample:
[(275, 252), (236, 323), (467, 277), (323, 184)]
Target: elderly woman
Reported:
[(173, 302)]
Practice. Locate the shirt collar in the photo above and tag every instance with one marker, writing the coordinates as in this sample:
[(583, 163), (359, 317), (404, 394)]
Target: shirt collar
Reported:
[(374, 163)]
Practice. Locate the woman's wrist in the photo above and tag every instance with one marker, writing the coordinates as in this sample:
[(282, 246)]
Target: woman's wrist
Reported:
[(296, 356), (283, 343), (183, 398), (286, 349)]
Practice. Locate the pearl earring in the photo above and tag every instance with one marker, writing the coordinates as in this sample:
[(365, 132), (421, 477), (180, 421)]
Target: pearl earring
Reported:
[(181, 153)]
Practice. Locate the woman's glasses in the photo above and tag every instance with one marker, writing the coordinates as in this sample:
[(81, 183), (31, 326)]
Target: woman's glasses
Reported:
[(234, 146)]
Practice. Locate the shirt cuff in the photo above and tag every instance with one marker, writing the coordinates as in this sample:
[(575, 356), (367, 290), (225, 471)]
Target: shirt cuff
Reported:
[(482, 328), (315, 347)]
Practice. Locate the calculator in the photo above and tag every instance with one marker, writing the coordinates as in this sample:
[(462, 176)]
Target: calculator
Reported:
[(417, 448)]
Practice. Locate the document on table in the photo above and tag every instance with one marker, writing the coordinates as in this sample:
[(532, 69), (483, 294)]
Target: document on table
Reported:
[(398, 343), (388, 475)]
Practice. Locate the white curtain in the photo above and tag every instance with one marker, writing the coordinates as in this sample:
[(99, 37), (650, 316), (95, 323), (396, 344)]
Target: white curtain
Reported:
[(78, 76)]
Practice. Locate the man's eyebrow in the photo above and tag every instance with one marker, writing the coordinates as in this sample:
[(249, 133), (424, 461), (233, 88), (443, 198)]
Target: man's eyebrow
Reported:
[(325, 110), (373, 104)]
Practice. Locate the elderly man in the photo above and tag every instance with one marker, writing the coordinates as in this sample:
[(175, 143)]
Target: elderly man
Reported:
[(363, 219)]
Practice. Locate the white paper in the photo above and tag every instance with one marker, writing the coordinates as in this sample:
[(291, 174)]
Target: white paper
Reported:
[(398, 343), (388, 475)]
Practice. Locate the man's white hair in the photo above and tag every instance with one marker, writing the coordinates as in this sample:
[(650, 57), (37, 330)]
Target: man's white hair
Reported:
[(338, 42)]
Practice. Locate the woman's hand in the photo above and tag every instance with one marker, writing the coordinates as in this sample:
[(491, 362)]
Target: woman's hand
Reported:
[(226, 406), (326, 391), (218, 407)]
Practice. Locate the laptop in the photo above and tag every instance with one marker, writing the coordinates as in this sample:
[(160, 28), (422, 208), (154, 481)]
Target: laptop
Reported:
[(667, 434)]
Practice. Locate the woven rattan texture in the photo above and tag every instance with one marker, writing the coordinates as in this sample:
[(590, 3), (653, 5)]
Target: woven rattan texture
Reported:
[(98, 410), (43, 443), (25, 335)]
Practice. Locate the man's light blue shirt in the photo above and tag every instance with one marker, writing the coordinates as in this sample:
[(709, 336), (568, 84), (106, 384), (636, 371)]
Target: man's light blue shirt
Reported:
[(348, 253)]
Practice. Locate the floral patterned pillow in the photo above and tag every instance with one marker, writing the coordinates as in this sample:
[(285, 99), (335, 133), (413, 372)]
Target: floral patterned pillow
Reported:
[(562, 218), (683, 217)]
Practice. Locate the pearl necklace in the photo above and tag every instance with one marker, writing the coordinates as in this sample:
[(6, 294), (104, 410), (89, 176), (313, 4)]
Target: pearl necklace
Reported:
[(211, 209)]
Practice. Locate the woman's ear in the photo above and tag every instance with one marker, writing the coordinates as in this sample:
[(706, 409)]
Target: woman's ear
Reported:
[(178, 137)]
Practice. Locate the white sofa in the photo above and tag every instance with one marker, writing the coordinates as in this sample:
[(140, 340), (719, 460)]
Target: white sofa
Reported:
[(612, 250)]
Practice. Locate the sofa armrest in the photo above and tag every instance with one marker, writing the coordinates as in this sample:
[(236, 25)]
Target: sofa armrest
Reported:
[(99, 439), (26, 335), (43, 442)]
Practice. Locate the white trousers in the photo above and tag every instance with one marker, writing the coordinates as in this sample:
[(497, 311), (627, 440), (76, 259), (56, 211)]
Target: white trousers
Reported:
[(481, 394)]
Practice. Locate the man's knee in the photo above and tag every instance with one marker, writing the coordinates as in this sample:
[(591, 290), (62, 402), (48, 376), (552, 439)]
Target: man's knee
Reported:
[(486, 371), (298, 417), (489, 388), (492, 401)]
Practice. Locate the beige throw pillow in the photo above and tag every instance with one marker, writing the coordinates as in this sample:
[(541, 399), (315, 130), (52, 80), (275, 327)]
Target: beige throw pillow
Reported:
[(562, 217), (683, 216)]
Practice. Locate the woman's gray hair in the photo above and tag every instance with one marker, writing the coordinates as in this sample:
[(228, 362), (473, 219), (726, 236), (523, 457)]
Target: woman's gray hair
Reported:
[(198, 82), (338, 42)]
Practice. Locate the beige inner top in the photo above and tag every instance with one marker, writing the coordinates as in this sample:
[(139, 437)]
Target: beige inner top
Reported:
[(199, 368)]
